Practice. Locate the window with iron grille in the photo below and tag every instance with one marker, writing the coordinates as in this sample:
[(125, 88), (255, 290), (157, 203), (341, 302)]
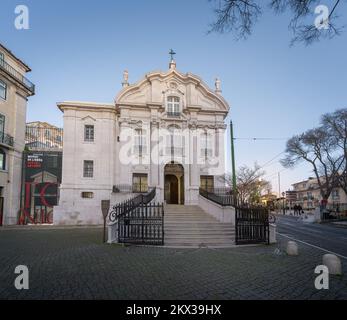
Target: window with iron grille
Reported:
[(87, 195), (3, 90), (88, 169), (89, 133), (140, 182)]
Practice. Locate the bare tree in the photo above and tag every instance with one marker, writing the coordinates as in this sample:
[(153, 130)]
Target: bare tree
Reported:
[(240, 16), (335, 124), (250, 183), (317, 147)]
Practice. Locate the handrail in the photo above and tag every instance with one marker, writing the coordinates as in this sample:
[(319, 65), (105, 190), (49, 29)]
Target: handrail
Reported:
[(6, 139), (221, 196), (126, 206), (17, 75)]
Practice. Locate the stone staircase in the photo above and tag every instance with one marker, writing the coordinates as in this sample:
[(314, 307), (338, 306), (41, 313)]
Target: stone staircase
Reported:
[(190, 226)]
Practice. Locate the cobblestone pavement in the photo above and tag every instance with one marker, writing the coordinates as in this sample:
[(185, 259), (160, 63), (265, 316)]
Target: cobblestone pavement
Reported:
[(73, 264)]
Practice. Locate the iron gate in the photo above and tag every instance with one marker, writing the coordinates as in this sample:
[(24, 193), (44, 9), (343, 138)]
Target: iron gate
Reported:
[(252, 225), (142, 225)]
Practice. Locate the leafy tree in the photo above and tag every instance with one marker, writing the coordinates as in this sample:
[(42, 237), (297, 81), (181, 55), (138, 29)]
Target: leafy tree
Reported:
[(240, 16)]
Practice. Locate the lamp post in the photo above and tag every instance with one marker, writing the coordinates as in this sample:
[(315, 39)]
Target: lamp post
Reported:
[(232, 151), (284, 209)]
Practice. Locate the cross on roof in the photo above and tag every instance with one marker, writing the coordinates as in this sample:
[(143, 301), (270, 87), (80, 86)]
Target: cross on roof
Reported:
[(172, 53)]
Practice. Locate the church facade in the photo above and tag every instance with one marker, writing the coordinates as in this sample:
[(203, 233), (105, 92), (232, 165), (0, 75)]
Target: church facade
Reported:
[(166, 131)]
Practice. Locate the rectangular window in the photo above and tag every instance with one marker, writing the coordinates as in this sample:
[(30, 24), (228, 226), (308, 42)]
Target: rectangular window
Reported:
[(3, 90), (2, 125), (89, 133), (140, 182), (140, 143), (207, 183), (206, 146), (2, 160), (88, 169), (2, 59)]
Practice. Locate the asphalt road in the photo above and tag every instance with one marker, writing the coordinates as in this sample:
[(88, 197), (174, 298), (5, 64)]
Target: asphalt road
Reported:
[(326, 236)]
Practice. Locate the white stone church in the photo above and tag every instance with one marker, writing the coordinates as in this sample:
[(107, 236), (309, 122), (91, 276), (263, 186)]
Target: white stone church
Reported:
[(165, 131)]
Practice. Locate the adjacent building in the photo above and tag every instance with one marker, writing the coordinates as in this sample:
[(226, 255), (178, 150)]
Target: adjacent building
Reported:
[(165, 131), (307, 194), (15, 89), (43, 136)]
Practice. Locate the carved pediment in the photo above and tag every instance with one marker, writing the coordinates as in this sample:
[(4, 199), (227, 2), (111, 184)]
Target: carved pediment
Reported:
[(156, 86)]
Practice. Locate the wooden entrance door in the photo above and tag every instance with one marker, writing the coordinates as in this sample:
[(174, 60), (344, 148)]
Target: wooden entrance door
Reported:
[(171, 189)]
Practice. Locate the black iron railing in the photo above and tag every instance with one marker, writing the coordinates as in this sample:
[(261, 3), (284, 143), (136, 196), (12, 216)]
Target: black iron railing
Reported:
[(124, 207), (138, 220), (252, 224), (222, 196), (17, 75), (142, 225), (43, 138), (6, 139)]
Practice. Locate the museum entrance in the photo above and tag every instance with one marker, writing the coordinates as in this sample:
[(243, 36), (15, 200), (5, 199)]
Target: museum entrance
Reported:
[(174, 184)]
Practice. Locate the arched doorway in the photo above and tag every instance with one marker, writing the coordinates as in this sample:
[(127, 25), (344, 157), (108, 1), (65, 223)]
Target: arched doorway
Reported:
[(174, 183)]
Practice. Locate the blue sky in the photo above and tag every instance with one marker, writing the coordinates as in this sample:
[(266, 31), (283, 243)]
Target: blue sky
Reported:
[(79, 49)]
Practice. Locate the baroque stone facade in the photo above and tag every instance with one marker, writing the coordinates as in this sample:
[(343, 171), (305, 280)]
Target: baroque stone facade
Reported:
[(165, 131)]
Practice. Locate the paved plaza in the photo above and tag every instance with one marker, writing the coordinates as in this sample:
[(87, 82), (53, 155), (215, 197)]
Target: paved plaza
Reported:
[(74, 264)]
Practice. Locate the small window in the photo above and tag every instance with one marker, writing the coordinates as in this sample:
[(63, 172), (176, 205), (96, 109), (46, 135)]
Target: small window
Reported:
[(140, 182), (89, 133), (88, 169), (173, 106), (2, 59), (3, 90), (87, 195), (2, 160)]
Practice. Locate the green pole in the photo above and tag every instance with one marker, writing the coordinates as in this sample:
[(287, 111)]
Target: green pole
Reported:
[(232, 157)]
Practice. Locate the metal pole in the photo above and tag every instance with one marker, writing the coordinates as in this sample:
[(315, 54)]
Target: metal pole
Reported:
[(233, 157)]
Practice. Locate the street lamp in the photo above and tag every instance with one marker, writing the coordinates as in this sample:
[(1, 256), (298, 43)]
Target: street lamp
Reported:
[(284, 209)]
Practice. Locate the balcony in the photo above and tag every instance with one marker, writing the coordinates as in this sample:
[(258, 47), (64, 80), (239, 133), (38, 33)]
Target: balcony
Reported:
[(17, 76), (6, 139), (173, 114)]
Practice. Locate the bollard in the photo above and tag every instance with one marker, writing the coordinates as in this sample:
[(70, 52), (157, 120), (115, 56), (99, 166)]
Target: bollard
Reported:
[(333, 263), (292, 248)]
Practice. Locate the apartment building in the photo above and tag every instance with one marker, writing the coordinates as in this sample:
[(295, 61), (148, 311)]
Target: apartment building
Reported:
[(308, 194), (15, 89)]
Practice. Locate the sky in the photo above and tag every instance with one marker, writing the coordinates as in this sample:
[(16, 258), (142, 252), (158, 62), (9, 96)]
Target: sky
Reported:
[(77, 50)]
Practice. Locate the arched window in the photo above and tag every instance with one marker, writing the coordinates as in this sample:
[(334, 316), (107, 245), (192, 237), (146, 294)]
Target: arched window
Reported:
[(173, 106), (2, 160)]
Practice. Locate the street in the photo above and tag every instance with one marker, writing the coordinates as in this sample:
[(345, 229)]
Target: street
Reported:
[(326, 236), (72, 263)]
